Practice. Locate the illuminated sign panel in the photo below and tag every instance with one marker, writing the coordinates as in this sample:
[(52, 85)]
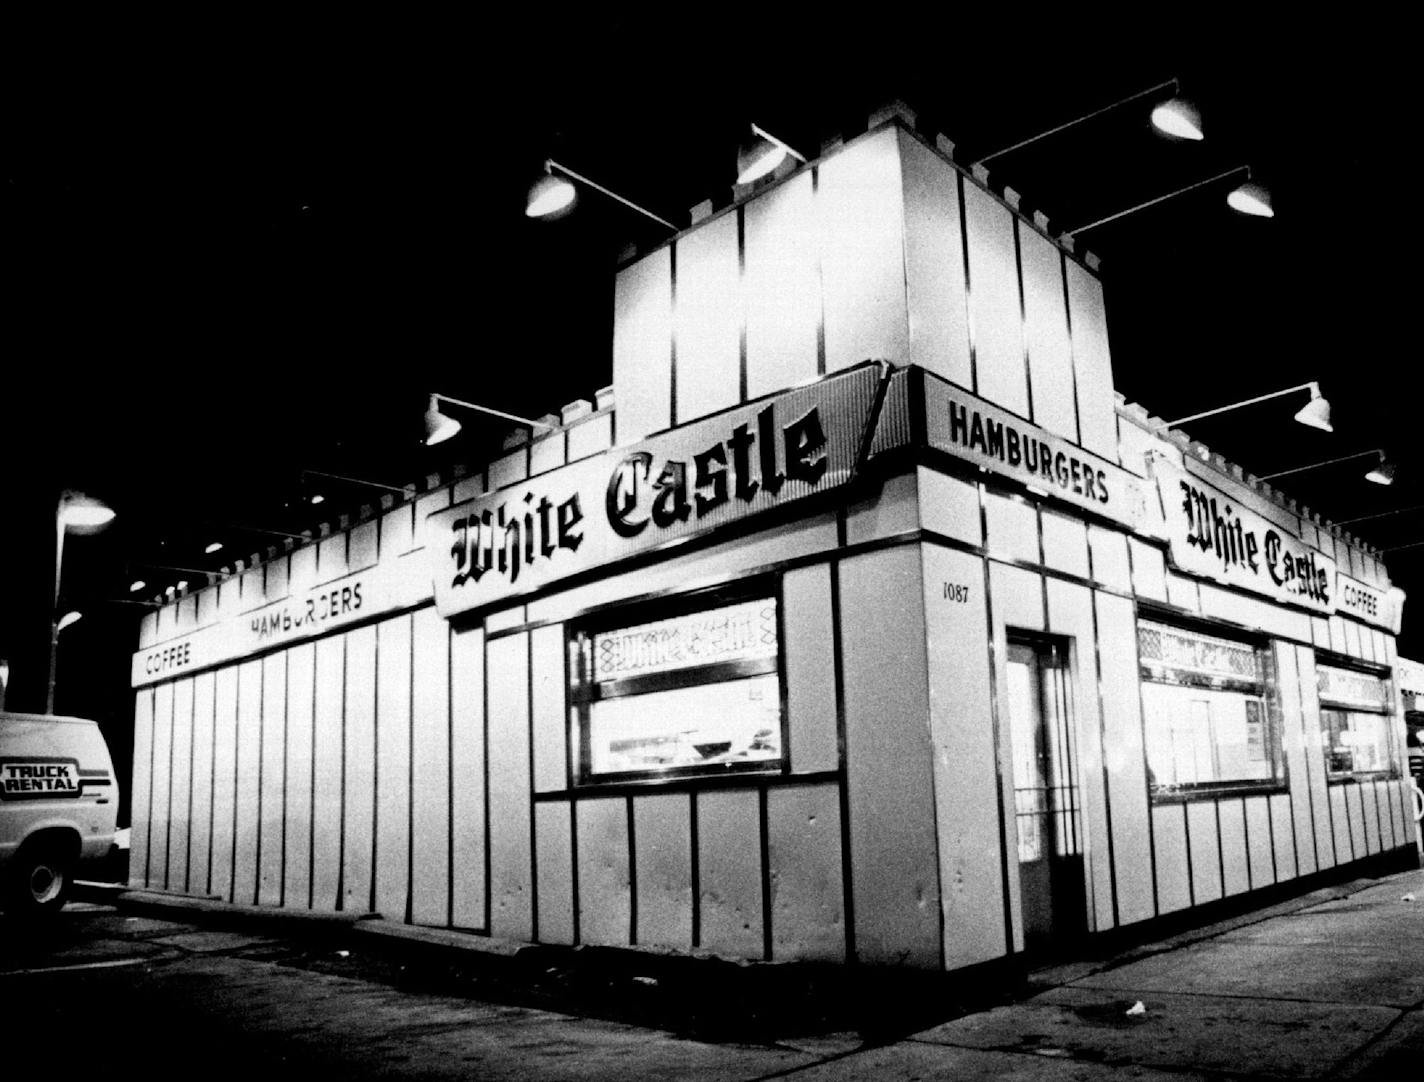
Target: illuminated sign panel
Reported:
[(1367, 603), (745, 632), (977, 431), (672, 487), (1210, 534)]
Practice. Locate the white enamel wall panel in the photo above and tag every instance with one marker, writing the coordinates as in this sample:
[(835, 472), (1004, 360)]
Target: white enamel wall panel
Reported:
[(604, 875), (249, 780), (1123, 751), (467, 773), (551, 726), (1149, 570), (1013, 528), (554, 871), (729, 863), (893, 849), (1065, 544), (181, 792), (200, 836), (142, 783), (1260, 855), (1092, 363), (1183, 593), (966, 796), (1050, 351), (1204, 842), (359, 800), (862, 253), (662, 835), (1109, 556), (511, 870), (1293, 840), (362, 546), (1231, 820), (328, 740), (642, 348), (162, 786), (393, 765), (271, 798), (934, 263), (707, 320), (1017, 596), (949, 506), (546, 453), (996, 317), (807, 887), (809, 654), (224, 780), (588, 437), (782, 287), (430, 769), (1169, 833)]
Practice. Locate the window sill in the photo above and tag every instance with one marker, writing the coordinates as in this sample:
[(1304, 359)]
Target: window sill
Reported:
[(1195, 796)]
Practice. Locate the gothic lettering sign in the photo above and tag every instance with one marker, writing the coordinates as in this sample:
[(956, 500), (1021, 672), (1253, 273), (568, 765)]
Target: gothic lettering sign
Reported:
[(977, 431), (700, 477), (1210, 534)]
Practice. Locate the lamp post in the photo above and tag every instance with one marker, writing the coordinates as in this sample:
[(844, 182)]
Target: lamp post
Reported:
[(83, 515)]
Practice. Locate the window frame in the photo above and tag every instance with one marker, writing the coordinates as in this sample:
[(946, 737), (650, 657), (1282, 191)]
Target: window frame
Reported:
[(1268, 696), (584, 691), (1385, 675)]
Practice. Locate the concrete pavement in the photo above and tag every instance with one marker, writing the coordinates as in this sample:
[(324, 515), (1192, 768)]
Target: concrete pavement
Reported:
[(1330, 985)]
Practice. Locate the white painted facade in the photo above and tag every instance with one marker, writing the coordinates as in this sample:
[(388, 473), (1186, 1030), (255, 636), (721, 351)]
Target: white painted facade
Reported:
[(314, 733)]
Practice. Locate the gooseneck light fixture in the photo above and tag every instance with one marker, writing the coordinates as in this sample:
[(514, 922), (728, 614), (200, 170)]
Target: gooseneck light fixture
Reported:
[(1246, 198), (761, 155), (80, 514), (1176, 118), (554, 196), (441, 426), (1315, 413), (1382, 473)]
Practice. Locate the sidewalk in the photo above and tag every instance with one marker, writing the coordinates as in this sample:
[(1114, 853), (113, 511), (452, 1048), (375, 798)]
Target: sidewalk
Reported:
[(1329, 985)]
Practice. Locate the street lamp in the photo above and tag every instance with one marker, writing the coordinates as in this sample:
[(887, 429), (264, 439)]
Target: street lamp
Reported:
[(83, 515)]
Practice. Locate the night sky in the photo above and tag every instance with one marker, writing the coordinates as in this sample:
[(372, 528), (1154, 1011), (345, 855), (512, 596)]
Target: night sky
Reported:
[(220, 272)]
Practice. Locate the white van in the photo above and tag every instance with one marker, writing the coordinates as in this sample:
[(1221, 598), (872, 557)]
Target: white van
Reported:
[(59, 803)]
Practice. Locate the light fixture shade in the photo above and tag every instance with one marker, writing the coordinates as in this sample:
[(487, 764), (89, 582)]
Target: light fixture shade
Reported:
[(1383, 473), (136, 586), (1251, 199), (84, 514), (1178, 119), (68, 618), (438, 427), (758, 158), (1316, 412), (550, 197), (213, 546)]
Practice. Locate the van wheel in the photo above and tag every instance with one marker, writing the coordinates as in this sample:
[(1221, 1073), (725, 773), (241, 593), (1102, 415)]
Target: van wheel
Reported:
[(39, 883)]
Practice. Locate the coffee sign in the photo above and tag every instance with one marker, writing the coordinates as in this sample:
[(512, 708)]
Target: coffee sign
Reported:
[(691, 480), (1212, 535), (1366, 603)]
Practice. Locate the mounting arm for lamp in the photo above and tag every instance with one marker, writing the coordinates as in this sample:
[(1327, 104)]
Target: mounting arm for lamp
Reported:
[(1315, 413), (1381, 474), (1247, 198), (1151, 91), (549, 196), (440, 426)]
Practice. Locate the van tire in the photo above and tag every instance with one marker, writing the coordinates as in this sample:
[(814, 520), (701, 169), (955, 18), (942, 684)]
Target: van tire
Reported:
[(38, 882)]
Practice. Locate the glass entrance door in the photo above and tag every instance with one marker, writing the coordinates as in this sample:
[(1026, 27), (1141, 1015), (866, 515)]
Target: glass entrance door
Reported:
[(1049, 830)]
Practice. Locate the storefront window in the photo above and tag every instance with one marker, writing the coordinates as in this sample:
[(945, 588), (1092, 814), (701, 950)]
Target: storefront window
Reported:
[(1207, 711), (1355, 724), (692, 693)]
